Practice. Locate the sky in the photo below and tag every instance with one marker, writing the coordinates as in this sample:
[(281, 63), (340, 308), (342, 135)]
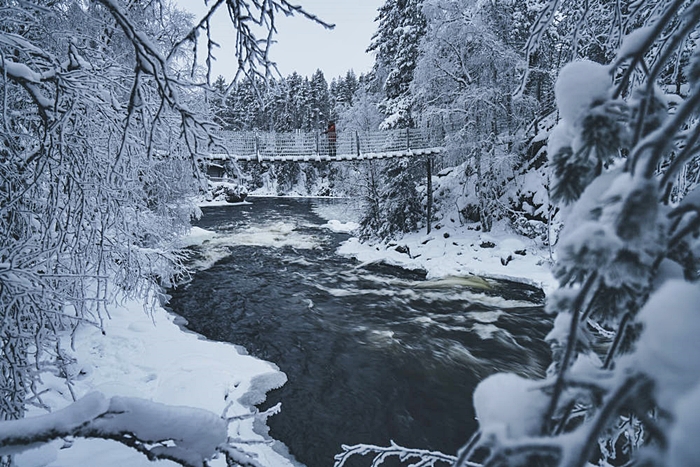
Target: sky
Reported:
[(304, 46)]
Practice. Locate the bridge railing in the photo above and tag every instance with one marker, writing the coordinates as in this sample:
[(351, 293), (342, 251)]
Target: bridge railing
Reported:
[(307, 145)]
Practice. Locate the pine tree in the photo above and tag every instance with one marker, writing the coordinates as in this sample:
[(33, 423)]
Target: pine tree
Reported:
[(319, 105), (396, 43)]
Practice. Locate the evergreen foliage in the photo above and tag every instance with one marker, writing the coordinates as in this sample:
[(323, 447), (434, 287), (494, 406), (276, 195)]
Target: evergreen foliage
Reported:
[(294, 103), (396, 43), (605, 399), (396, 207)]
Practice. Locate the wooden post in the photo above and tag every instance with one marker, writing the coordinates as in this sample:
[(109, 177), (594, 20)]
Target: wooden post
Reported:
[(357, 141), (408, 140), (429, 214), (257, 149)]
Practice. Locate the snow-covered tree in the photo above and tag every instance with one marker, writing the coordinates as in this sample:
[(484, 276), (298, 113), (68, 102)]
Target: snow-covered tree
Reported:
[(624, 383), (319, 106), (401, 27), (363, 114), (94, 173), (394, 205), (343, 92), (101, 123), (464, 82)]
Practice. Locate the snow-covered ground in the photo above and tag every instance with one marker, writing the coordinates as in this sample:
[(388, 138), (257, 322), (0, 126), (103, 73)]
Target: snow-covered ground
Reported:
[(152, 357), (456, 251)]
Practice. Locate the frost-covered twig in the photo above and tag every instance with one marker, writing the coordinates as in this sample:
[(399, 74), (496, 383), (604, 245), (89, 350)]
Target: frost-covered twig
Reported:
[(407, 456), (236, 456), (577, 310)]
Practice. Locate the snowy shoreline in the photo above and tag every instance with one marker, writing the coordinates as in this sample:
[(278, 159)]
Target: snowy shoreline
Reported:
[(456, 251), (153, 357)]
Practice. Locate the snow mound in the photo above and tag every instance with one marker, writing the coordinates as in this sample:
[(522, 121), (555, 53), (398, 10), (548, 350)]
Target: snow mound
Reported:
[(633, 43), (580, 84), (509, 405), (684, 449), (149, 357), (342, 227), (197, 236)]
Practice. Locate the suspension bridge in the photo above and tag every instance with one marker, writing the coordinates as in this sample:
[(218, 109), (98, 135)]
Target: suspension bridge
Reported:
[(324, 147), (319, 147)]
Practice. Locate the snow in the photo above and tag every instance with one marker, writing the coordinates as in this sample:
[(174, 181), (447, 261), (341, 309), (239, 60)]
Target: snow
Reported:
[(509, 405), (580, 84), (457, 251), (633, 43), (184, 433), (338, 226), (560, 137), (683, 446), (152, 358), (197, 236), (670, 315), (560, 330)]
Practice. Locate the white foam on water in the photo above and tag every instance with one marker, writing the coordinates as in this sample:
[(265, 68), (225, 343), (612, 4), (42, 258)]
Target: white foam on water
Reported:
[(209, 256), (276, 235), (350, 291), (272, 235), (485, 317), (475, 297), (485, 331), (382, 338)]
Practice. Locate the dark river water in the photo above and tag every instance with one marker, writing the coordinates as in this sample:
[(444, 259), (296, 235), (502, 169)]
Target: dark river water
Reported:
[(373, 353)]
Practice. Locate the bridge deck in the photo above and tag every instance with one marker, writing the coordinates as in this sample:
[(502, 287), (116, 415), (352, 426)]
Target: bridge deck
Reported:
[(310, 147)]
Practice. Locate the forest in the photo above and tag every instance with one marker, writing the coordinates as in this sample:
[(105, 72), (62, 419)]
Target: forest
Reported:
[(574, 123)]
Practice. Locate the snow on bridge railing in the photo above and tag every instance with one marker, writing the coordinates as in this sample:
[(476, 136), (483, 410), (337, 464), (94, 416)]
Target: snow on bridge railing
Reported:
[(309, 146)]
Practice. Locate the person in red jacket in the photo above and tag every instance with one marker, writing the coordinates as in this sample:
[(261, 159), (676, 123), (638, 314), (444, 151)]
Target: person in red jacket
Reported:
[(331, 138)]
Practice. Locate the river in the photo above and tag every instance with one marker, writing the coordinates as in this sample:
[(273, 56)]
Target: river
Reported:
[(373, 353)]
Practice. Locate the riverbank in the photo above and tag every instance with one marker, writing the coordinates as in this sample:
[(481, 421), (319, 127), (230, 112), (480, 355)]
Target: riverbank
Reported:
[(151, 356), (457, 251), (373, 353)]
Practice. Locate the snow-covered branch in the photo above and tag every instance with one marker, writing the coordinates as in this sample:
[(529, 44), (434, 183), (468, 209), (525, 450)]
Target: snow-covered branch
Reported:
[(185, 435), (416, 457)]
